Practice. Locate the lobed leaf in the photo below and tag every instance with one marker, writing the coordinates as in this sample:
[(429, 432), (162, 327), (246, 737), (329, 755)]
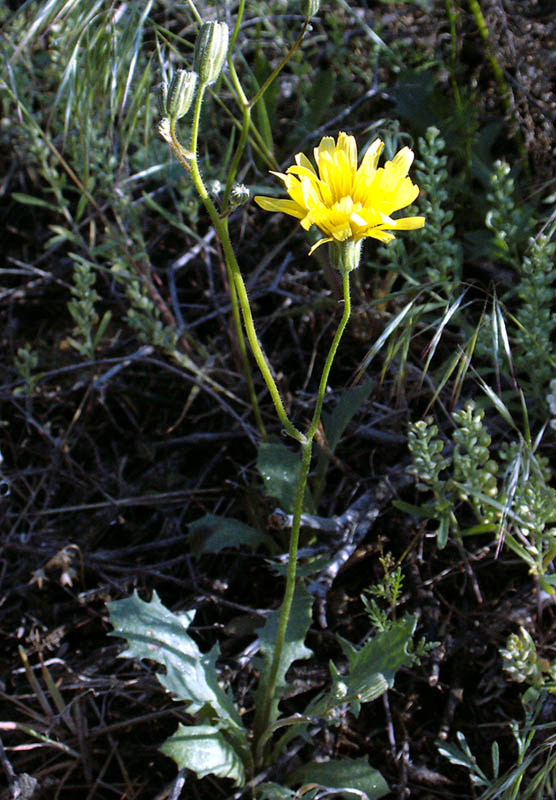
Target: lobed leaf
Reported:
[(154, 632), (294, 644), (372, 668)]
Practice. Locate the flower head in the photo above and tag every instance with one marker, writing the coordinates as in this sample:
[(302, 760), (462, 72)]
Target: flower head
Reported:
[(345, 202)]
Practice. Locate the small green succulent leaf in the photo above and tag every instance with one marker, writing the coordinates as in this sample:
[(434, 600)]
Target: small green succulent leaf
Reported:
[(349, 778), (443, 532), (204, 750), (154, 632), (279, 468), (212, 533), (294, 645)]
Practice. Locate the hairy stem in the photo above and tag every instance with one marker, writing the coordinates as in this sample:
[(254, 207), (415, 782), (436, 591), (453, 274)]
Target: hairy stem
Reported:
[(236, 279)]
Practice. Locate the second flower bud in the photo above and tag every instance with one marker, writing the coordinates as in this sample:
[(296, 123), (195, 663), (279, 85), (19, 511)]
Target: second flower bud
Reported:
[(180, 94), (211, 49)]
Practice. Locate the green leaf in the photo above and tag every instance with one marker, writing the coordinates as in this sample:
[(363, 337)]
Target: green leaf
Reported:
[(274, 791), (455, 755), (335, 424), (63, 235), (373, 667), (101, 330), (154, 632), (346, 408), (418, 98), (279, 469), (261, 71), (29, 200), (424, 511), (212, 533), (442, 532), (322, 92), (203, 749), (349, 777), (294, 645)]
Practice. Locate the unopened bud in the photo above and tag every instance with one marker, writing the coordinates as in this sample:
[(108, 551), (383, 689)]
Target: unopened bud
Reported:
[(310, 8), (211, 49), (180, 93)]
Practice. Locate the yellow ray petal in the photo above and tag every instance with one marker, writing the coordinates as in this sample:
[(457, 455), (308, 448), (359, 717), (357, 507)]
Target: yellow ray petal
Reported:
[(370, 159), (348, 145), (284, 206), (302, 161), (382, 236), (318, 244), (403, 160), (409, 223)]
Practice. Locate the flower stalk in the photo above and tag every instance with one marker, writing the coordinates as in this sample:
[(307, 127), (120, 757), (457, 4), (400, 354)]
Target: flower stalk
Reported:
[(262, 718), (347, 204)]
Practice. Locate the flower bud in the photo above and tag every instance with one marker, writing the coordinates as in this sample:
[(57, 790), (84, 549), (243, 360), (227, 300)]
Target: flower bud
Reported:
[(211, 49), (310, 8), (180, 93)]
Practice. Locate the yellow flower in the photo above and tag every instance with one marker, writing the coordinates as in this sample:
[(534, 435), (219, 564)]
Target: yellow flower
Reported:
[(346, 203)]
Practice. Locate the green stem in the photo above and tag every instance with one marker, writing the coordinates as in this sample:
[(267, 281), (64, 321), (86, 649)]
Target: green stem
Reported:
[(280, 66), (236, 278), (331, 355), (245, 111), (498, 72), (262, 718), (237, 26), (243, 354), (246, 124), (247, 105)]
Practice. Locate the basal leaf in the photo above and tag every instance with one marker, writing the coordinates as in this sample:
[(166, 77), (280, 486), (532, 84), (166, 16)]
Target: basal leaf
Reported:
[(204, 750), (294, 644), (154, 632), (350, 778)]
